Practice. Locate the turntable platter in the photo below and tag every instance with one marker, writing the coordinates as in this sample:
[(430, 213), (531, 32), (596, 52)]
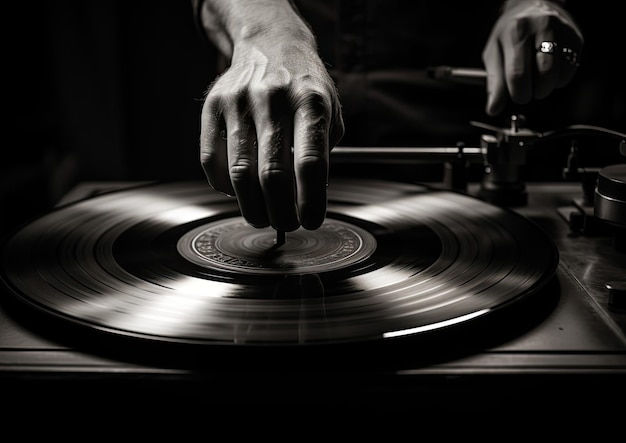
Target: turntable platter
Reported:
[(174, 262)]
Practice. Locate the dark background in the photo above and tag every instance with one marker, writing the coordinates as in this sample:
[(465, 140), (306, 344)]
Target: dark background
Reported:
[(101, 91), (113, 91)]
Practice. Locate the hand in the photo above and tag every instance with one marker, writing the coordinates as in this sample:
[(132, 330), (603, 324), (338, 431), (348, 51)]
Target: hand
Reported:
[(268, 124), (516, 69)]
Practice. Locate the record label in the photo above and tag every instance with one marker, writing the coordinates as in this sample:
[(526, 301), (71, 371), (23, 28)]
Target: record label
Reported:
[(232, 244)]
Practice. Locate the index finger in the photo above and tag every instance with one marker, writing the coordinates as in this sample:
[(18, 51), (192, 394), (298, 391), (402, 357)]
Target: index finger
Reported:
[(213, 154)]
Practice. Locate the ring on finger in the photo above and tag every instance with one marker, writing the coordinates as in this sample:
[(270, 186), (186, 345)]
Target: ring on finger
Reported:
[(550, 47)]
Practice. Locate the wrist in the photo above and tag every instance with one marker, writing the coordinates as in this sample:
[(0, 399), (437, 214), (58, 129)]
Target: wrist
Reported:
[(276, 26), (230, 23)]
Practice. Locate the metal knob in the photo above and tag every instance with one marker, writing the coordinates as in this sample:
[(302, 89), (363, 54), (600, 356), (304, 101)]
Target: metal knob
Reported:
[(617, 294)]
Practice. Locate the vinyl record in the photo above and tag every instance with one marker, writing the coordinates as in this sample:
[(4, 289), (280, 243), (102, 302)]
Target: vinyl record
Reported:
[(175, 263)]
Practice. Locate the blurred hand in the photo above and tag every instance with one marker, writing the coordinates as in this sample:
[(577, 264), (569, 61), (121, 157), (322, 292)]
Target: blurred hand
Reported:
[(268, 124), (517, 70)]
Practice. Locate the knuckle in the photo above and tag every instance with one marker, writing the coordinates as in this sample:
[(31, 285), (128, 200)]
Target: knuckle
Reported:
[(272, 176), (312, 157), (312, 163), (227, 93), (314, 103), (241, 170), (235, 98), (516, 75), (278, 80)]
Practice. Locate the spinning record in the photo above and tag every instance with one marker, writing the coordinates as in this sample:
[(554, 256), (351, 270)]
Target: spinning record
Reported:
[(175, 262)]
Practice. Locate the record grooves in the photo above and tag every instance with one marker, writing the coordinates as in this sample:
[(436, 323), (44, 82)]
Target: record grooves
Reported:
[(174, 263)]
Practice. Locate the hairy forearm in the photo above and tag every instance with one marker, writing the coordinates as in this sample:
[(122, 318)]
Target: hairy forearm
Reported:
[(230, 22)]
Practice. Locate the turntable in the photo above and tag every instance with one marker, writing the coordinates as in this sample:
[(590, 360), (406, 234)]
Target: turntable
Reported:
[(462, 294)]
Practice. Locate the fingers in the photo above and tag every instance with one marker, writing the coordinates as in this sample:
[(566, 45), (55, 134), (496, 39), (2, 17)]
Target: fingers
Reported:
[(518, 67), (557, 50), (274, 126), (243, 163), (555, 62), (311, 146), (547, 65), (268, 145), (213, 155), (518, 52)]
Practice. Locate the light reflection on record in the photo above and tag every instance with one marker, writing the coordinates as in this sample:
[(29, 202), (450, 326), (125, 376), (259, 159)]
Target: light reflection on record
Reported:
[(176, 263)]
